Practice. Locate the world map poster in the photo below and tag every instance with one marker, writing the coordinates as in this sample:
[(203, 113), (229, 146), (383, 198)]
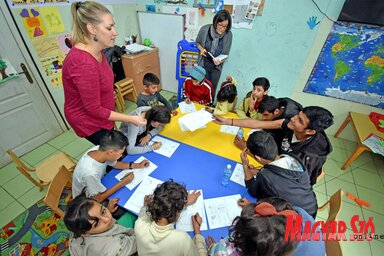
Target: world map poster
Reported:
[(351, 65)]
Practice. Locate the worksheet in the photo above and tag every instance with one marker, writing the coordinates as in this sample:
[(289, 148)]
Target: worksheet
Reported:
[(195, 120), (185, 221), (229, 129), (140, 174), (168, 147), (238, 175), (186, 108), (136, 201), (222, 210)]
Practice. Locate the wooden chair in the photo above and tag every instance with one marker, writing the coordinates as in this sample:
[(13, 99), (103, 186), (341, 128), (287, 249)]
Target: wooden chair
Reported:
[(124, 88), (46, 170), (119, 105), (334, 204), (62, 179)]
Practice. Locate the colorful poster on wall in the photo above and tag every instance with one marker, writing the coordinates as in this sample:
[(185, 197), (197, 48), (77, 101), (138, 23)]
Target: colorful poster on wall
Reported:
[(57, 80), (61, 41), (47, 47), (25, 2), (52, 20), (351, 65), (7, 71), (32, 22), (191, 20), (52, 65)]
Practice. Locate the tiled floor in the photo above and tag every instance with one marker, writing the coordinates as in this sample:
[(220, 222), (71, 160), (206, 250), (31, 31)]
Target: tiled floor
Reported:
[(363, 178)]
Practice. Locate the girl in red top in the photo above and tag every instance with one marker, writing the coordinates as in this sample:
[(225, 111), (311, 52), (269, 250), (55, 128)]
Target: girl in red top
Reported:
[(87, 77)]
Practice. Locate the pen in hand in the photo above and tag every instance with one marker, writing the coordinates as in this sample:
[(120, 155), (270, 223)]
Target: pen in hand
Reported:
[(126, 175)]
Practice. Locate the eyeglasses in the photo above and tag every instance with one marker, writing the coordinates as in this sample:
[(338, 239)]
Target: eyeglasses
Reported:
[(221, 25)]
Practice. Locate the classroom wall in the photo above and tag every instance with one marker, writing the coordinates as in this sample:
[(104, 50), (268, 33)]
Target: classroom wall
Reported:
[(280, 46)]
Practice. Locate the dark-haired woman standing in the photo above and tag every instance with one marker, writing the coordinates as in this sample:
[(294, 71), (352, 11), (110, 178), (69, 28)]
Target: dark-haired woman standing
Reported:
[(215, 38)]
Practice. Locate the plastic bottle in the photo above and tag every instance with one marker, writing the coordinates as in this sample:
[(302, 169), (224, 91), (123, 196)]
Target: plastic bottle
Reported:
[(240, 133), (227, 175)]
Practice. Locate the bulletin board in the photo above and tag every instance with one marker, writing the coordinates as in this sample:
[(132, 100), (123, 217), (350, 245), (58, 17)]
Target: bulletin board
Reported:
[(165, 31)]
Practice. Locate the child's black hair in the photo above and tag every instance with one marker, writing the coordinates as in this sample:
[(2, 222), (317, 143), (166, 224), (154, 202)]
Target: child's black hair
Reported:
[(227, 92), (113, 139), (261, 81), (76, 218), (159, 114), (150, 79), (262, 235), (169, 199)]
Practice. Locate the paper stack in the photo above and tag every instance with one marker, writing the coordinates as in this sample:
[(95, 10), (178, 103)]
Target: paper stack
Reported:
[(195, 120)]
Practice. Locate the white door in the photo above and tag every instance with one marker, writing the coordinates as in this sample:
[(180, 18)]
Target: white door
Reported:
[(27, 119)]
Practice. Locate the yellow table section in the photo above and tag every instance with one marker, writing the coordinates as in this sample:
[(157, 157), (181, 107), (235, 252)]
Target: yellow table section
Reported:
[(210, 138)]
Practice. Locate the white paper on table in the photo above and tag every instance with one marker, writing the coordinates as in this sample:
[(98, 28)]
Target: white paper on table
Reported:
[(195, 120), (254, 130), (136, 201), (229, 129), (374, 143), (222, 210), (187, 108), (238, 175), (140, 174), (185, 221), (168, 147)]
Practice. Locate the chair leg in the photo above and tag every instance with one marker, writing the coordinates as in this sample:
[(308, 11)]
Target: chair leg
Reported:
[(40, 184)]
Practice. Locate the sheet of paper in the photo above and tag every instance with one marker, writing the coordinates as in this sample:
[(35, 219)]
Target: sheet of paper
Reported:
[(136, 201), (254, 130), (238, 175), (229, 129), (140, 174), (375, 143), (185, 222), (222, 210), (135, 48), (187, 108), (168, 147), (196, 120), (221, 57)]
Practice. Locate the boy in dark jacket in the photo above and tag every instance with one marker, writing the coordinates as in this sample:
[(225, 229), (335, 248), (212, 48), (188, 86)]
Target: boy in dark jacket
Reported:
[(304, 136), (282, 176)]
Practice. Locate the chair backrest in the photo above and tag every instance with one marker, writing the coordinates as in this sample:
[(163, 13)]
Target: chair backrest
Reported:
[(17, 160), (334, 204), (55, 189)]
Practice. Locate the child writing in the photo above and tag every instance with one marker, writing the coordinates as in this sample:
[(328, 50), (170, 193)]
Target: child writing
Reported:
[(92, 167), (94, 231), (139, 136), (151, 95), (197, 88), (225, 97), (155, 230), (249, 105)]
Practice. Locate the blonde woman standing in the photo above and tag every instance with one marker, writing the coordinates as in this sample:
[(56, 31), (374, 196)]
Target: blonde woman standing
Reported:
[(87, 77)]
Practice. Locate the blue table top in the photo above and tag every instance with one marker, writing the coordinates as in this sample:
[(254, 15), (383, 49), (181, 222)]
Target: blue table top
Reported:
[(193, 167)]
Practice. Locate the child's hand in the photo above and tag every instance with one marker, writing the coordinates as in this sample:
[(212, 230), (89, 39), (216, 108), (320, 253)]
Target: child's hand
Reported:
[(210, 110), (188, 101), (144, 141), (156, 145), (240, 143), (192, 197), (174, 112), (112, 205), (243, 202), (196, 222), (147, 199), (128, 178), (244, 157), (144, 163)]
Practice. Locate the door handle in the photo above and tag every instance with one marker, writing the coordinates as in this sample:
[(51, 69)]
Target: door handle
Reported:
[(26, 72)]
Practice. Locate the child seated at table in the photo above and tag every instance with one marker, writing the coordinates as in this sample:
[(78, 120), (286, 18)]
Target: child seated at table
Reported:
[(92, 167), (155, 230), (94, 231), (249, 105), (197, 88), (151, 95), (247, 236), (225, 97), (139, 136)]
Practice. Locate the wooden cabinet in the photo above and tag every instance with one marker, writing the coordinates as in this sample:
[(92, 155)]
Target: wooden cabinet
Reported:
[(137, 65)]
